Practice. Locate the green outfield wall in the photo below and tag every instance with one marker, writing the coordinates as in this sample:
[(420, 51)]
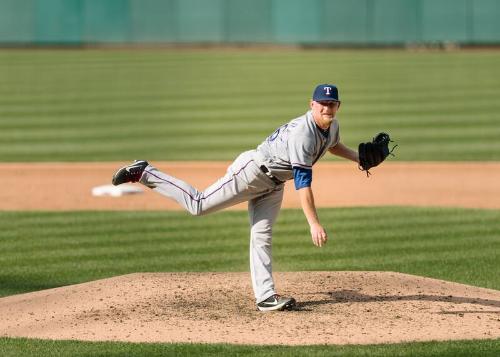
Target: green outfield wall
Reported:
[(321, 22)]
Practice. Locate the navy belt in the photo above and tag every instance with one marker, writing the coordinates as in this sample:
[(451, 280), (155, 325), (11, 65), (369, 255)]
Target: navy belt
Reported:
[(268, 174)]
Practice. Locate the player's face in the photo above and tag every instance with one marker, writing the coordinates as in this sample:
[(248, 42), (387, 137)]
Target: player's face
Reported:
[(324, 112)]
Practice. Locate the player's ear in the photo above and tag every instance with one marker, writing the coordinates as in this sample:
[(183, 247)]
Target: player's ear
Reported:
[(311, 103)]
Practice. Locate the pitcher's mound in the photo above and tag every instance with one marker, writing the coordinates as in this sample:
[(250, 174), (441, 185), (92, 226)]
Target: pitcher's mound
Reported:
[(333, 308)]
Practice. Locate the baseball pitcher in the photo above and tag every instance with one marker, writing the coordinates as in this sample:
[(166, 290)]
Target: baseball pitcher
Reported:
[(258, 176)]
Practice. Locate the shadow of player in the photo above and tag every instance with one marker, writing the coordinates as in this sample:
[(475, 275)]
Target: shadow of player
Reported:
[(352, 296)]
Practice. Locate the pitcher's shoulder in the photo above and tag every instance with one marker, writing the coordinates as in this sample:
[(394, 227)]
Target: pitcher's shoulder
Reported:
[(300, 124)]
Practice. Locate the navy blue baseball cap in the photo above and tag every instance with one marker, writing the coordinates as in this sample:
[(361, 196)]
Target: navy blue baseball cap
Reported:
[(326, 92)]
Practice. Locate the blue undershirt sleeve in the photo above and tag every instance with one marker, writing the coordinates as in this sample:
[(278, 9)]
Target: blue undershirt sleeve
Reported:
[(302, 177)]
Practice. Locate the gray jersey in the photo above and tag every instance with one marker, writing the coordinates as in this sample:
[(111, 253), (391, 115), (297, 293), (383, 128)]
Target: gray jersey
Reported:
[(299, 143)]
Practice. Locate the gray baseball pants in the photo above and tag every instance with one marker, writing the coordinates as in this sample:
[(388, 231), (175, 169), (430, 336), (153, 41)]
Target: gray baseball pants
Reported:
[(243, 181)]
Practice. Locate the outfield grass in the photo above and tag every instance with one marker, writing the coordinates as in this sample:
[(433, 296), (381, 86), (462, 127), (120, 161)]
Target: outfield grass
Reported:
[(42, 250), (100, 105)]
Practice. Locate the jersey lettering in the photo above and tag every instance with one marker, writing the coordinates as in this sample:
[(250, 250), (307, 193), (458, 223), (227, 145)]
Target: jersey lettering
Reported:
[(274, 135)]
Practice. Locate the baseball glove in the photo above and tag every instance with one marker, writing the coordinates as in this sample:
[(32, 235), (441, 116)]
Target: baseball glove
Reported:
[(373, 153)]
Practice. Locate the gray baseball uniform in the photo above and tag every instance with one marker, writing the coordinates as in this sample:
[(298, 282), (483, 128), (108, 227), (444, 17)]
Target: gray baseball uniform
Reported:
[(256, 176)]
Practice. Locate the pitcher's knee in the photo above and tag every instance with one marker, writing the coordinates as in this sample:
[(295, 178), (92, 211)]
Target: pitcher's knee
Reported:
[(262, 228), (193, 209), (198, 210), (195, 212), (261, 234)]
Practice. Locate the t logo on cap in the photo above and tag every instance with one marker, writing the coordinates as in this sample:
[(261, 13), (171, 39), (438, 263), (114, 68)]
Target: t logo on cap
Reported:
[(326, 92)]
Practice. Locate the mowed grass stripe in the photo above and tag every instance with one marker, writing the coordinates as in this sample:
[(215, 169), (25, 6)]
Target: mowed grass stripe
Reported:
[(337, 57), (61, 248), (130, 121), (107, 96), (56, 244), (23, 105), (196, 148), (396, 63), (217, 128), (178, 107)]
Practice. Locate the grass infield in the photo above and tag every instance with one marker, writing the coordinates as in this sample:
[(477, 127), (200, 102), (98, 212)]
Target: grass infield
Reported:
[(42, 250), (102, 105)]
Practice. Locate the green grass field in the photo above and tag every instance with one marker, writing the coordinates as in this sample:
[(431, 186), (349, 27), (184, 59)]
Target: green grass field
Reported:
[(42, 250), (101, 105)]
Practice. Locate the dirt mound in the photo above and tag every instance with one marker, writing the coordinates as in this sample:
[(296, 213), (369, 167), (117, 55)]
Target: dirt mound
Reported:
[(333, 308), (67, 186)]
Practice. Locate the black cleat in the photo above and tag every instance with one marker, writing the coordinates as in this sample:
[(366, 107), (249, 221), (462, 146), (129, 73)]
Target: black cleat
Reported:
[(129, 173), (276, 302)]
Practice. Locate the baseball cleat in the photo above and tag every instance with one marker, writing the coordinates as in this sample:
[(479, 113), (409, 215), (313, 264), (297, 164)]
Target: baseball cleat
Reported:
[(129, 173), (276, 302)]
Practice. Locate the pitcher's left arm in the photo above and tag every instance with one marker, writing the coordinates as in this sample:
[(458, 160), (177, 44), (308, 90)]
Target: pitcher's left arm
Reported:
[(343, 151)]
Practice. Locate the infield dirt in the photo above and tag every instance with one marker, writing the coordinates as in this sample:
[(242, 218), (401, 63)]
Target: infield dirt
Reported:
[(67, 186), (333, 308)]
